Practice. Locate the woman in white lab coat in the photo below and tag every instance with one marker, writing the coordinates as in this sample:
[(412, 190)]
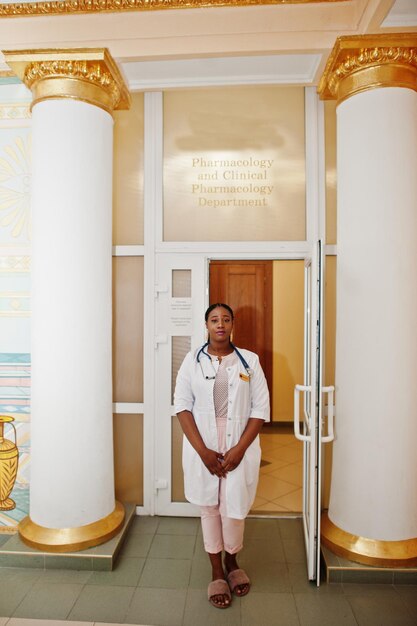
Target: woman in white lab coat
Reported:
[(221, 399)]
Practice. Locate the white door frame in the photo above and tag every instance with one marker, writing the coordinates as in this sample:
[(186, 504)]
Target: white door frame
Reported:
[(154, 244)]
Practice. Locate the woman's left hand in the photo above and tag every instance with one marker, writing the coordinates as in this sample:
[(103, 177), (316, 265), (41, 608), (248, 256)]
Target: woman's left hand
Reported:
[(232, 458)]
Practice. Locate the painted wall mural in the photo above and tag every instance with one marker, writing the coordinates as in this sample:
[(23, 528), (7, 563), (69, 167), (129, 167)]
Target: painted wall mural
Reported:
[(15, 232)]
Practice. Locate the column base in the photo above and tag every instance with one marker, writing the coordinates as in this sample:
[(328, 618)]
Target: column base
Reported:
[(368, 551), (72, 539)]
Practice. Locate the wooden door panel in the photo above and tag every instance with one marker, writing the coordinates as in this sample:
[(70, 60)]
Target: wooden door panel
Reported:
[(247, 287)]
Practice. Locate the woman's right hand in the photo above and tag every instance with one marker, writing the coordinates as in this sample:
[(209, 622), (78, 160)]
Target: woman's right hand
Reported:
[(214, 462)]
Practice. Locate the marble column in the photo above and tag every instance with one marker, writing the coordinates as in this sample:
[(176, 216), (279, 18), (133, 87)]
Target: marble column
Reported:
[(72, 502), (372, 516)]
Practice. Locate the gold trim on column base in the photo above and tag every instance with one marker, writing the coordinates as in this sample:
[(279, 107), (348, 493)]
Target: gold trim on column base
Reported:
[(363, 62), (72, 539), (368, 551)]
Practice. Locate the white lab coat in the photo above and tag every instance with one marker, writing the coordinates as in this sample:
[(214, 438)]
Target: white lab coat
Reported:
[(194, 393)]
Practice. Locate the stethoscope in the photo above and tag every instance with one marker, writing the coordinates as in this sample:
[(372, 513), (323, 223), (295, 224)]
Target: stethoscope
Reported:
[(203, 351)]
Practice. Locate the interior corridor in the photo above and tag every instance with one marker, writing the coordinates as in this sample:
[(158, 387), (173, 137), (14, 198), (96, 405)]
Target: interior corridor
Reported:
[(281, 475)]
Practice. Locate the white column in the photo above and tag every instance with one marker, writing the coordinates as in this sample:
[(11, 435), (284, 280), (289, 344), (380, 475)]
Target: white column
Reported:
[(372, 515), (72, 502), (72, 481), (373, 490)]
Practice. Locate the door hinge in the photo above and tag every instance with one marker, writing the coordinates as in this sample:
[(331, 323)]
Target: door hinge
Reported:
[(161, 483), (160, 339), (160, 289)]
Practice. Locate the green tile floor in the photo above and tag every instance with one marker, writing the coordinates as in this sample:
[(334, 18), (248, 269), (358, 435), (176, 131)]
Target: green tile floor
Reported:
[(161, 578)]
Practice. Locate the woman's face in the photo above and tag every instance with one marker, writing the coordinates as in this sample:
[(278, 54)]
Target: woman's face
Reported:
[(219, 324)]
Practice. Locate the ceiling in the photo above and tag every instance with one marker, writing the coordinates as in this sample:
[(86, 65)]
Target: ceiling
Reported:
[(282, 43)]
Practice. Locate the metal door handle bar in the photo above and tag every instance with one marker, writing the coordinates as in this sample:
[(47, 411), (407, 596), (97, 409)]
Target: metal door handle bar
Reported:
[(297, 433), (330, 415)]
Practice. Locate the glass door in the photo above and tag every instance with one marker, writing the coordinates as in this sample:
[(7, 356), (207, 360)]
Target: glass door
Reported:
[(308, 418), (181, 296)]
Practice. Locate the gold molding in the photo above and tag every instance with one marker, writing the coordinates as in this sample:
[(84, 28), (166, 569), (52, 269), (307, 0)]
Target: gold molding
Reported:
[(68, 7), (87, 74), (368, 551), (72, 539), (362, 62)]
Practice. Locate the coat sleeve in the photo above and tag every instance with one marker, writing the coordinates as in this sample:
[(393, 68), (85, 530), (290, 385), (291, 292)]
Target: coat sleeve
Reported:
[(183, 395), (259, 393)]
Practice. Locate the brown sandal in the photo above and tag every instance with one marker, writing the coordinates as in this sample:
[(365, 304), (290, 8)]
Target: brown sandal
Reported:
[(236, 578), (219, 587)]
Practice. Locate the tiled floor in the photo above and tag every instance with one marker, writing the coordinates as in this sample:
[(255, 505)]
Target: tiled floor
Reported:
[(280, 481), (161, 579)]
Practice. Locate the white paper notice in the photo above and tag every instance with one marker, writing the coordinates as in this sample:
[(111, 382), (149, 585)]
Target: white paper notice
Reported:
[(180, 316)]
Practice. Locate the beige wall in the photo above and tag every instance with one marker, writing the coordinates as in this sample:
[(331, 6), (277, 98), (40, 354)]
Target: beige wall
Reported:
[(128, 457), (329, 360), (128, 301), (288, 335), (330, 275), (128, 329), (128, 174), (128, 376)]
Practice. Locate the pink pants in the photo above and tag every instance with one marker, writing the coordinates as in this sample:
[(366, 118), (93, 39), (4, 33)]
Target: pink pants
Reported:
[(219, 531)]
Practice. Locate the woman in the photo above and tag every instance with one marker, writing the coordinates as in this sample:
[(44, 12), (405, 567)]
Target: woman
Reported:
[(222, 401)]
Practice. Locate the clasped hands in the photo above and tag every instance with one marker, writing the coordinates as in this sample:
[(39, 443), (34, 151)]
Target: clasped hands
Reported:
[(220, 464)]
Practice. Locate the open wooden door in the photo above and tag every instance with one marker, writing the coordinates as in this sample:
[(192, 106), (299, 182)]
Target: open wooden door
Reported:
[(247, 287)]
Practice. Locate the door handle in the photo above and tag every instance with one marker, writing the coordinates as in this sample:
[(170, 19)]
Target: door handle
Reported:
[(330, 415), (297, 433)]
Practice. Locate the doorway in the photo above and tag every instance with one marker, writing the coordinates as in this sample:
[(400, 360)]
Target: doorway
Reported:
[(268, 300), (247, 287)]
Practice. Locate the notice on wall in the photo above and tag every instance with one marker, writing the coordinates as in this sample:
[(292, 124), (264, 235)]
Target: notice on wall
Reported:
[(240, 182), (180, 316)]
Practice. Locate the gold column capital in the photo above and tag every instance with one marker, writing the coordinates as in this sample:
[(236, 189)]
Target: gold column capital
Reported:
[(87, 74), (361, 62)]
